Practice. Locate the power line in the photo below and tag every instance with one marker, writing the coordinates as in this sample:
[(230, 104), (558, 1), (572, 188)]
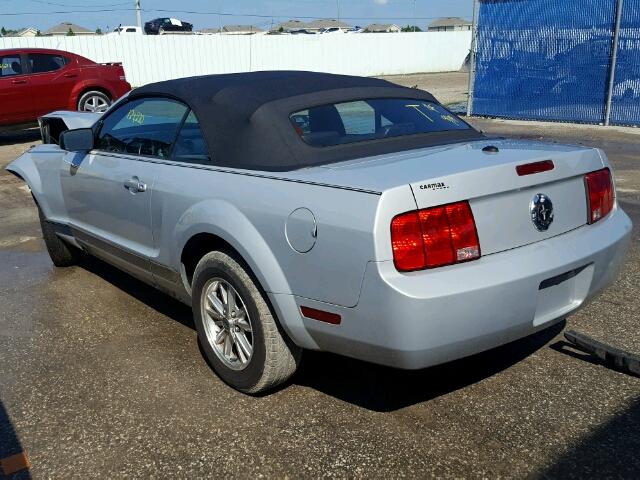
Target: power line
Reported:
[(80, 6), (14, 14)]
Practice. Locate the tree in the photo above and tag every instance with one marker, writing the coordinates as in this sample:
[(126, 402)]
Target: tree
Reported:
[(70, 33), (281, 29), (98, 31), (3, 31), (411, 28), (38, 34)]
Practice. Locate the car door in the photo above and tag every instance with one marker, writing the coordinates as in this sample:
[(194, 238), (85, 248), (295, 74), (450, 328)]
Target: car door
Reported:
[(52, 78), (15, 100), (108, 191)]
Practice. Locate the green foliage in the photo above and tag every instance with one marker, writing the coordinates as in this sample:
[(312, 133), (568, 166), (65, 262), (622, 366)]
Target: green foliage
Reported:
[(281, 29), (3, 31), (411, 28), (38, 34), (70, 33), (98, 31)]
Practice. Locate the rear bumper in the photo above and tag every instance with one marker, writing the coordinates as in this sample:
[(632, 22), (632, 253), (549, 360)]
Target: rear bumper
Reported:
[(425, 318)]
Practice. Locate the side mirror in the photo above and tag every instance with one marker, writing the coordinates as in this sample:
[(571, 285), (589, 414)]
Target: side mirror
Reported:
[(78, 140)]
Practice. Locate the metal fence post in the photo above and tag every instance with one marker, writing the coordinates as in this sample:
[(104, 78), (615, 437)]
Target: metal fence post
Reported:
[(472, 58), (614, 62)]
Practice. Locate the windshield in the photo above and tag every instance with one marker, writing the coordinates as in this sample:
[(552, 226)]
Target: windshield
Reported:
[(372, 119)]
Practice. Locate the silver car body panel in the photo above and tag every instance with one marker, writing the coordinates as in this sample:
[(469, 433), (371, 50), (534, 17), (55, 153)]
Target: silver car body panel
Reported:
[(320, 237)]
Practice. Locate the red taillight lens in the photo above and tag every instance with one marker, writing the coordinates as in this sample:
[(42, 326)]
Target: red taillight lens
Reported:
[(600, 194), (434, 237), (406, 241)]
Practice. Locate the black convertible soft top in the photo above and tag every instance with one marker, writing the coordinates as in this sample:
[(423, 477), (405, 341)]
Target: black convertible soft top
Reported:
[(245, 116)]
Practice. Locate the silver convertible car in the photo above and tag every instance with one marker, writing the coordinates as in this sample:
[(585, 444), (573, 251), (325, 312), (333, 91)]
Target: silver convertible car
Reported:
[(297, 210)]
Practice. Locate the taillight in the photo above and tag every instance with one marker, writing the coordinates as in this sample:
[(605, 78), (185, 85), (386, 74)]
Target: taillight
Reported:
[(434, 237), (600, 194)]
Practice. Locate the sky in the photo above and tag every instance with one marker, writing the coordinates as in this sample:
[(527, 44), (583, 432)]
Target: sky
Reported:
[(92, 14)]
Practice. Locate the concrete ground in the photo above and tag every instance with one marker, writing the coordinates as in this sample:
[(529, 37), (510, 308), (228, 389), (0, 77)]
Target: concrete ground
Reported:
[(448, 88), (100, 376)]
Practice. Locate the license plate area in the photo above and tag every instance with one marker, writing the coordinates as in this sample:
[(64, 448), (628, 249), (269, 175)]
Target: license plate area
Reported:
[(561, 294)]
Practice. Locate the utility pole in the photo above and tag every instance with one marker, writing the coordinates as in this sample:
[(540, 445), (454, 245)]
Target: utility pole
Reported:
[(414, 16), (138, 14), (338, 5)]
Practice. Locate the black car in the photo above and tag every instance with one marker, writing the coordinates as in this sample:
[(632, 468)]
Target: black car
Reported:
[(162, 25)]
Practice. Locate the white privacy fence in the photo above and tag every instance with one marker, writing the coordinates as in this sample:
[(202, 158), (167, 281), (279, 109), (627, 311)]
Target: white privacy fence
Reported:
[(153, 58)]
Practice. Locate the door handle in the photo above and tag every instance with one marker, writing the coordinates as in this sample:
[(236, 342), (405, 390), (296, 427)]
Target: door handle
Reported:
[(18, 82), (134, 185)]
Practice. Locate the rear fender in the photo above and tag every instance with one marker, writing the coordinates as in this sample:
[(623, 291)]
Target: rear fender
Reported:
[(221, 218), (86, 85)]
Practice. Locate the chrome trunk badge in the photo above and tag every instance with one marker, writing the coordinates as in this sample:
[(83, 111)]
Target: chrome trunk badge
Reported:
[(541, 209)]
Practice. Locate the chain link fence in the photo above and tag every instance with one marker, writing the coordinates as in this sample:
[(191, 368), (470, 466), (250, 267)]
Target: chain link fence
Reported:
[(556, 60)]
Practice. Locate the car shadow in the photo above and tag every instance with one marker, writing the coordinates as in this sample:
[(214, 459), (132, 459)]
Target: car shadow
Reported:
[(150, 296), (10, 445), (384, 389), (369, 386)]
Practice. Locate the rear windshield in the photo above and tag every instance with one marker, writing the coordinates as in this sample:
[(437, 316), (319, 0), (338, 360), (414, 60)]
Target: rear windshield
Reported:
[(363, 120)]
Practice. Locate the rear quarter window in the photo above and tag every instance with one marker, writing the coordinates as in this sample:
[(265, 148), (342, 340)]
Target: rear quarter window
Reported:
[(373, 119)]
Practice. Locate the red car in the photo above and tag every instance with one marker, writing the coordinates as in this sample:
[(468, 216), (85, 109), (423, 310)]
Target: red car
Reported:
[(36, 81)]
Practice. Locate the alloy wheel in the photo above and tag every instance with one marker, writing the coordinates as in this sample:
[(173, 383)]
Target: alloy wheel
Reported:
[(95, 104), (227, 324)]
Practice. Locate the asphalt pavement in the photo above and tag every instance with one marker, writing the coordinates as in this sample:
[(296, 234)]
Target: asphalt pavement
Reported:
[(101, 376)]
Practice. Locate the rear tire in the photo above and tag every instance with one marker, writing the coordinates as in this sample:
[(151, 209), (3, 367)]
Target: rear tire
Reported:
[(273, 357), (62, 254), (94, 101)]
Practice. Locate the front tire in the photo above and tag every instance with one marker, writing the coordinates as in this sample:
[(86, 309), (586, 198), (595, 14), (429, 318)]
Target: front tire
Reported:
[(94, 101), (61, 253), (236, 329)]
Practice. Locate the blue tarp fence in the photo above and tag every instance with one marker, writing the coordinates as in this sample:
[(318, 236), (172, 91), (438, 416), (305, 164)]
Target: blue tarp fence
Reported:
[(552, 60)]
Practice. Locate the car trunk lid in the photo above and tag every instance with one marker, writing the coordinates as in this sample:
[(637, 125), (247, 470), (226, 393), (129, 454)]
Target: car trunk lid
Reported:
[(500, 198)]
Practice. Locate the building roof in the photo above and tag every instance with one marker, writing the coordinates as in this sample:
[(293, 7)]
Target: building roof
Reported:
[(449, 22), (245, 116), (291, 25), (63, 28), (381, 27), (27, 32), (314, 25), (240, 28), (328, 23)]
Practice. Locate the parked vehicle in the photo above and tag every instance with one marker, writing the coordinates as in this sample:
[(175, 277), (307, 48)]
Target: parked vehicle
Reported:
[(36, 81), (160, 26), (331, 30), (298, 210), (126, 29)]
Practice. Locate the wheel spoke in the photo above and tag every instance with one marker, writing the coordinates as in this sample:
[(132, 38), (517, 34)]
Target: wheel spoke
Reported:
[(224, 294), (243, 344), (231, 301), (242, 355), (221, 336), (228, 344), (216, 304), (215, 316)]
